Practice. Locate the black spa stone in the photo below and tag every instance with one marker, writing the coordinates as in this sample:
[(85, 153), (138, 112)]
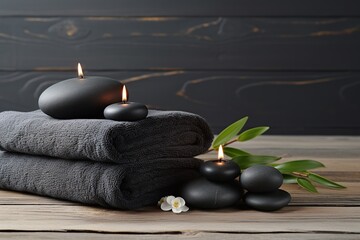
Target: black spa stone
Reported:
[(267, 201), (204, 194), (220, 171), (261, 178), (80, 98), (130, 111)]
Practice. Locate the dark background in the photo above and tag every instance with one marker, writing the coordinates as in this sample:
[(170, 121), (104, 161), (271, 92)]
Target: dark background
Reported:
[(292, 65)]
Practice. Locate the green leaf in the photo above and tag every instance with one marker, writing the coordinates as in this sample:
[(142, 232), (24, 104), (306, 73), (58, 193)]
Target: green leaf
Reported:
[(229, 133), (234, 152), (248, 161), (289, 178), (298, 166), (306, 184), (324, 181), (252, 133)]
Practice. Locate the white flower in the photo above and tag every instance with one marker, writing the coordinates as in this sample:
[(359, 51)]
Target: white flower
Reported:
[(177, 205), (161, 201)]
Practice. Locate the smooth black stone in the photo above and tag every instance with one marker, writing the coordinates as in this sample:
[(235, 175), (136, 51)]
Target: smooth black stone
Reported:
[(130, 111), (261, 178), (220, 171), (267, 201), (204, 194), (80, 98)]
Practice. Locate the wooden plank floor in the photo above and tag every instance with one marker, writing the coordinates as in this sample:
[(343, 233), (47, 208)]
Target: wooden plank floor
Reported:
[(329, 215)]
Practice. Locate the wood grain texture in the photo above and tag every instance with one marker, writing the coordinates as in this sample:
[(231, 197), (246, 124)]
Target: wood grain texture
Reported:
[(81, 218), (195, 236), (207, 43), (180, 8), (289, 102)]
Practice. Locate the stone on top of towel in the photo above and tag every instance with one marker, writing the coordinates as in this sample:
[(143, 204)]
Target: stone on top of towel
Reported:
[(162, 134)]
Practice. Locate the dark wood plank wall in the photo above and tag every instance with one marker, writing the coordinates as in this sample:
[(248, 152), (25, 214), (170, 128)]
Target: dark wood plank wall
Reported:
[(294, 65), (190, 43), (198, 8)]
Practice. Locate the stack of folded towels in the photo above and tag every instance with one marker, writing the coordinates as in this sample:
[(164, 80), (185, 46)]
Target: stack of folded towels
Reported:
[(123, 165)]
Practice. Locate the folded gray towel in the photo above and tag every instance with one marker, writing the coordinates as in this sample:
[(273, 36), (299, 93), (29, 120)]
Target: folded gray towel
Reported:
[(125, 186), (162, 134)]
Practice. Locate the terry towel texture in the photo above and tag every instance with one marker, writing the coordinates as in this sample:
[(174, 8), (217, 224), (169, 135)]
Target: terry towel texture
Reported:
[(133, 164), (125, 186), (163, 134)]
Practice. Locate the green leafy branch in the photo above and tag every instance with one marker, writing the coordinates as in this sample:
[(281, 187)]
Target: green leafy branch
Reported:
[(296, 171)]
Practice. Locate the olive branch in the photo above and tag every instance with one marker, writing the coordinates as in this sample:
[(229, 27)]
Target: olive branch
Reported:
[(297, 171)]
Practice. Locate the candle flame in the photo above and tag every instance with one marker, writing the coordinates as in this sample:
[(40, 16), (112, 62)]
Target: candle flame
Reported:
[(221, 153), (80, 71), (124, 94)]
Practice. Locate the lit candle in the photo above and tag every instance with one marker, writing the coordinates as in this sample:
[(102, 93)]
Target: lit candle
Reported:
[(126, 111), (80, 71), (220, 170), (217, 188), (81, 97)]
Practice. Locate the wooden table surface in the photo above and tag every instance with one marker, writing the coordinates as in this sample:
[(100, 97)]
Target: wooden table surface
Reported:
[(331, 214)]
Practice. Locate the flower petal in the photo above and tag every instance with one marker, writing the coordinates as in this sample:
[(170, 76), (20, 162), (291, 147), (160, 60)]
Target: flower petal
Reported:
[(161, 200), (169, 199), (176, 210), (182, 201), (184, 208), (175, 203), (165, 206), (175, 200)]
